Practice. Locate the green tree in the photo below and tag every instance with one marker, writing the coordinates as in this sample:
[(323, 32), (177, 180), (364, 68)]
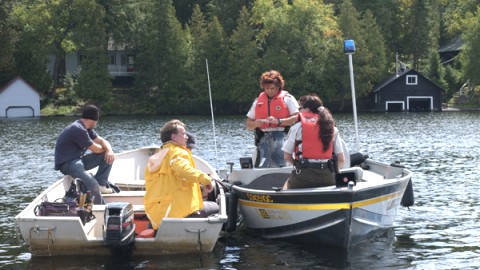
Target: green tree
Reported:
[(375, 68), (452, 78), (94, 82), (161, 58), (198, 54), (435, 70), (7, 36), (46, 28), (228, 12), (369, 60), (32, 46), (298, 40), (417, 30), (243, 67), (453, 17), (120, 19), (470, 55), (217, 56)]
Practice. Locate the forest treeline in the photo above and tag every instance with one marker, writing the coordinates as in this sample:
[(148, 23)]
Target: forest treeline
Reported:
[(171, 40)]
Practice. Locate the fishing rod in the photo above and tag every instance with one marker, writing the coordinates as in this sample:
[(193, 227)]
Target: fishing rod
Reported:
[(211, 110)]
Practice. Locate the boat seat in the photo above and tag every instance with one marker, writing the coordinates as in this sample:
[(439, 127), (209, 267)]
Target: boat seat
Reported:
[(101, 208), (126, 193), (358, 172), (131, 184)]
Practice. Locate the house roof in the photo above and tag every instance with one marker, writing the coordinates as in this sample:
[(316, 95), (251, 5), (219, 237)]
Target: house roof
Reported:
[(389, 80), (402, 74), (454, 45), (5, 87)]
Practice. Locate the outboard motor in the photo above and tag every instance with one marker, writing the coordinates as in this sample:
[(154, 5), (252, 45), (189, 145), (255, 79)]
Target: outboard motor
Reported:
[(119, 226), (357, 159)]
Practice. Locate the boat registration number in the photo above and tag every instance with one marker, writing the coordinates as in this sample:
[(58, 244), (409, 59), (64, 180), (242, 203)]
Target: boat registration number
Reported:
[(274, 214)]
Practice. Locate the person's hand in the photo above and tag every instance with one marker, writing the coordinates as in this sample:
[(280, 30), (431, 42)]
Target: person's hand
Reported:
[(272, 120), (207, 188), (258, 123), (109, 157)]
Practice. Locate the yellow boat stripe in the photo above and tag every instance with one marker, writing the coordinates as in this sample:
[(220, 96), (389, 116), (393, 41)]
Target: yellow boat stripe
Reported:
[(320, 206), (375, 200)]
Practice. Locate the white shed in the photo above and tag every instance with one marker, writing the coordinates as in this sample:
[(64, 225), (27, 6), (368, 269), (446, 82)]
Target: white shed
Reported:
[(19, 99)]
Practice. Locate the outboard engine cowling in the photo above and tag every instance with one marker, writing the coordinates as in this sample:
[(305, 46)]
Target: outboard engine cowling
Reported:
[(119, 225)]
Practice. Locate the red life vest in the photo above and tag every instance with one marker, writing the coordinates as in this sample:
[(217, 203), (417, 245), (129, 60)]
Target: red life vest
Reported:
[(276, 107), (312, 146)]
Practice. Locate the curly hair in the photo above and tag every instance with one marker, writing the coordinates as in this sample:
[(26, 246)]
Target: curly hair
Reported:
[(325, 119), (274, 77)]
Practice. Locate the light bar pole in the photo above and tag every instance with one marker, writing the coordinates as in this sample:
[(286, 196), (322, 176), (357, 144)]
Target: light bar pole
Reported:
[(349, 49)]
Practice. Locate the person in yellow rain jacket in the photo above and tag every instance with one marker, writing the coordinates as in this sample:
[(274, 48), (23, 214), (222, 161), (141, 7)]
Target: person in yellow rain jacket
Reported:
[(172, 182)]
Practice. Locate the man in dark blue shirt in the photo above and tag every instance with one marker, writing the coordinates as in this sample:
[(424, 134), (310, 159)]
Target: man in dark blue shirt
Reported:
[(70, 158)]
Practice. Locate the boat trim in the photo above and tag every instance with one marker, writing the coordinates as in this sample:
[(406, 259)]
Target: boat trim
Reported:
[(325, 206)]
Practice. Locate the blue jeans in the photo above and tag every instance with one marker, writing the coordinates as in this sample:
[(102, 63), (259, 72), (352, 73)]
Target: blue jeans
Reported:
[(270, 154), (78, 168)]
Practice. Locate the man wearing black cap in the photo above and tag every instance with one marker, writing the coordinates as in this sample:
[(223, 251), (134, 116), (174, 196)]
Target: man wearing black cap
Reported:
[(70, 158), (191, 141)]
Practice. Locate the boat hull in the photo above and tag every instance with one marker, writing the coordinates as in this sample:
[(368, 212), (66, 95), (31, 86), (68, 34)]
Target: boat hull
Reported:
[(61, 235), (337, 216)]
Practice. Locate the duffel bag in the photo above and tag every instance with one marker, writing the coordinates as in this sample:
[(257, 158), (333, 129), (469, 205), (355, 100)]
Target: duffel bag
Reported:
[(57, 208)]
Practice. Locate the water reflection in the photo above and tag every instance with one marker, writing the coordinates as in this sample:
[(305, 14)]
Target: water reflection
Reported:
[(441, 231)]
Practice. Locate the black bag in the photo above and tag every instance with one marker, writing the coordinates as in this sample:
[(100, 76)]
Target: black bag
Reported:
[(77, 187)]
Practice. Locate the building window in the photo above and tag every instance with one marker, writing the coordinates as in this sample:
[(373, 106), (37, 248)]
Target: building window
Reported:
[(130, 63), (112, 59), (411, 79), (81, 58), (123, 60)]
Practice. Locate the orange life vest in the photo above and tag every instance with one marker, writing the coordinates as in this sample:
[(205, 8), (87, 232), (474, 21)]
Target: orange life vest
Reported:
[(275, 107), (312, 146)]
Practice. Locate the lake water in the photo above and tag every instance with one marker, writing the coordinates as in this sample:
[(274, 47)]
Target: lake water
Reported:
[(441, 231)]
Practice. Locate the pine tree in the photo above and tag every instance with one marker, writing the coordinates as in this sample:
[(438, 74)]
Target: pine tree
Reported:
[(244, 71), (217, 56), (94, 81), (161, 58), (435, 70), (197, 81)]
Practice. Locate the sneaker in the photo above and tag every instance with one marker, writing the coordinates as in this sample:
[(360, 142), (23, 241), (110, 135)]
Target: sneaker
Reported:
[(105, 190)]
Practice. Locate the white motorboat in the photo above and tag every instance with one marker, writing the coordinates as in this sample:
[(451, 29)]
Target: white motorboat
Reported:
[(66, 235)]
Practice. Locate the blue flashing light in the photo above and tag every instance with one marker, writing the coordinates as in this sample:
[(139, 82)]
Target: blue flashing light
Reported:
[(349, 46)]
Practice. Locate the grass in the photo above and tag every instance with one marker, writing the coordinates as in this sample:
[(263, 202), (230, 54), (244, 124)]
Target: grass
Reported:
[(50, 110)]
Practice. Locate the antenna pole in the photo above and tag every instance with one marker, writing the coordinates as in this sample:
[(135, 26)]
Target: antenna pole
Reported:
[(352, 82), (349, 49), (211, 110)]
